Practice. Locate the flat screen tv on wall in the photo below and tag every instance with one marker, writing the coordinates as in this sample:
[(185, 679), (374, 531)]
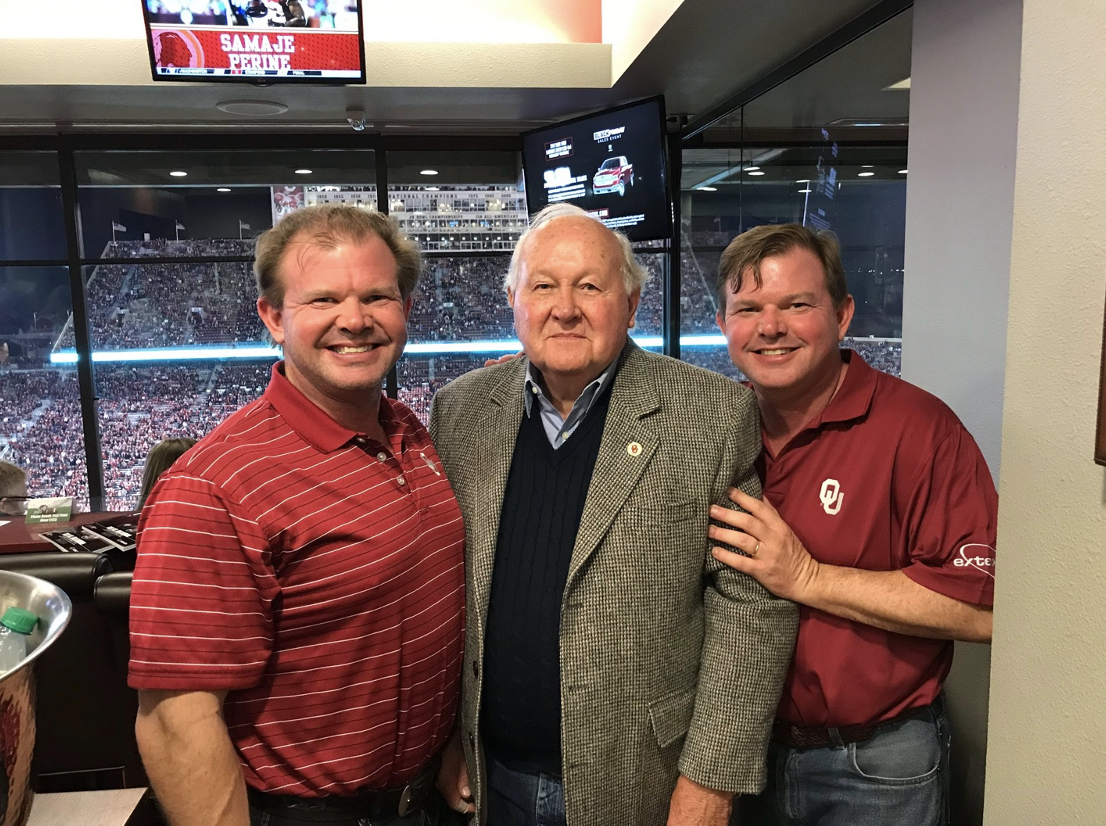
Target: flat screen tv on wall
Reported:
[(255, 41), (612, 164)]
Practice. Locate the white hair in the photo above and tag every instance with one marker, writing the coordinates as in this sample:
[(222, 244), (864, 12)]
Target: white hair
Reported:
[(634, 275)]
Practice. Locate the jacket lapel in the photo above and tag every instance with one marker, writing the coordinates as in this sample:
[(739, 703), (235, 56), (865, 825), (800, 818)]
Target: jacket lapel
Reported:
[(498, 433), (625, 452)]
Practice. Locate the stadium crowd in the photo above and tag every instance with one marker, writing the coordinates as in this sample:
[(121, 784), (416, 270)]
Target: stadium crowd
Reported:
[(147, 304), (137, 304)]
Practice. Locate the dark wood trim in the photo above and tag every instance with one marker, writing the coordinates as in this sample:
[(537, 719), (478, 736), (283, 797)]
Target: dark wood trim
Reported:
[(670, 302), (82, 332), (1100, 432)]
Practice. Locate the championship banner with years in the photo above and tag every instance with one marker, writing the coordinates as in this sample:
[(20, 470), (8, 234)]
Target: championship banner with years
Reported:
[(244, 51)]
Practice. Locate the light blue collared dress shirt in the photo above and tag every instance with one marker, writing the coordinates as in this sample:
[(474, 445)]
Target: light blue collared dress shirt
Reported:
[(558, 429)]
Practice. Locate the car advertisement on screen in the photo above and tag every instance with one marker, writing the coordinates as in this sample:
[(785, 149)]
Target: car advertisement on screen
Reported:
[(261, 40), (611, 164)]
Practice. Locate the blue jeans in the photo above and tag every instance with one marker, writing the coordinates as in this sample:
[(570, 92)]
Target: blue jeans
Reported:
[(898, 777), (521, 799)]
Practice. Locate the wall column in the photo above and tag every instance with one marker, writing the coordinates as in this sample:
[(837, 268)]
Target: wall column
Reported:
[(959, 218)]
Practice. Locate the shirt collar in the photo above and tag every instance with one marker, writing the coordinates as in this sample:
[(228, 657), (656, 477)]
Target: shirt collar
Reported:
[(312, 423), (853, 398), (589, 394)]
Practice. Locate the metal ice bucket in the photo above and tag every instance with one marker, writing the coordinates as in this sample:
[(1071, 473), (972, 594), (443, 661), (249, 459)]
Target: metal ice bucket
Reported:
[(17, 689)]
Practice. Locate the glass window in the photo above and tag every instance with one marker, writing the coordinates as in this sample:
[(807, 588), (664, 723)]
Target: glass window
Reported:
[(827, 149), (40, 410), (857, 192), (168, 243), (466, 210), (648, 329), (141, 404), (163, 203), (31, 226)]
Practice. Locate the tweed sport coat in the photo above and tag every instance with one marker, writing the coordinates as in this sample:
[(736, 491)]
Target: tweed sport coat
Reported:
[(670, 662)]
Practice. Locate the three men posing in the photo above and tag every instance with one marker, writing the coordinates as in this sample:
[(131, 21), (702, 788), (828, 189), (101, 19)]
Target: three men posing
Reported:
[(300, 578)]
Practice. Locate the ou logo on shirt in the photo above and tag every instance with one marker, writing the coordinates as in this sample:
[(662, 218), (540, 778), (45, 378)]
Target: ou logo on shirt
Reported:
[(831, 496)]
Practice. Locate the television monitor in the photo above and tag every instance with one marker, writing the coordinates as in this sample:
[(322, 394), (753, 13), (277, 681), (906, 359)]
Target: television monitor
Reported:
[(612, 164), (258, 41)]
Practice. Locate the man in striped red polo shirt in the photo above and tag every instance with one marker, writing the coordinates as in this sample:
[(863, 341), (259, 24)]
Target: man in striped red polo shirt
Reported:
[(298, 604)]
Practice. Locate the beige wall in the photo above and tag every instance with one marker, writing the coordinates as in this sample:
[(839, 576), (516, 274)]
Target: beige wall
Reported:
[(1047, 732), (959, 220)]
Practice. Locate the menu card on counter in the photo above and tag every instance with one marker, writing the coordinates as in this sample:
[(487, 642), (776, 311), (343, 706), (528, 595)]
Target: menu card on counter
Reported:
[(95, 537)]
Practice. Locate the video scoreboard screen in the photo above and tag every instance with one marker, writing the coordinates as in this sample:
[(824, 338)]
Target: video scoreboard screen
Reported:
[(612, 164), (264, 41)]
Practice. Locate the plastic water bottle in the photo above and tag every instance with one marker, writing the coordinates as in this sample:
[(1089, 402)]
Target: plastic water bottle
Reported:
[(15, 625)]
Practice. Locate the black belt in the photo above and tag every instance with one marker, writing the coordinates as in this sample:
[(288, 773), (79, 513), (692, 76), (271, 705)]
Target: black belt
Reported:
[(365, 803), (813, 737)]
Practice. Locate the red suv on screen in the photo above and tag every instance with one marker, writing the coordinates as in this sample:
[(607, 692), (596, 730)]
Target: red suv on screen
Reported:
[(613, 176)]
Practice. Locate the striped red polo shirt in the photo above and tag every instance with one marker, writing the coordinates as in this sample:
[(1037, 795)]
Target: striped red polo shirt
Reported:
[(318, 579)]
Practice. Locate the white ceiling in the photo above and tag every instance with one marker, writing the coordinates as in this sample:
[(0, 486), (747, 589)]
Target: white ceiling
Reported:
[(707, 50)]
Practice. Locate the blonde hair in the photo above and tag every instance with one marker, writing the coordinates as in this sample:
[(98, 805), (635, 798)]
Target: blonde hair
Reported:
[(326, 226)]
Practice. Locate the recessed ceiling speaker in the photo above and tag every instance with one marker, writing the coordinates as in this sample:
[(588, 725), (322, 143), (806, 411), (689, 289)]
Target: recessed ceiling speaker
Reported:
[(256, 108)]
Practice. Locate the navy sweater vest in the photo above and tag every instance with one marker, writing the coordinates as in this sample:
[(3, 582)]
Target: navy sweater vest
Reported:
[(542, 506)]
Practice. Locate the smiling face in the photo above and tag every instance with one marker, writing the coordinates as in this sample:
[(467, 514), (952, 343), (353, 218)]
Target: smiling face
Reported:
[(572, 311), (784, 334), (342, 324)]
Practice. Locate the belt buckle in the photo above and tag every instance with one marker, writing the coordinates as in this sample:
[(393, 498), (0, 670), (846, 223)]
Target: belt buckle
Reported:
[(405, 800)]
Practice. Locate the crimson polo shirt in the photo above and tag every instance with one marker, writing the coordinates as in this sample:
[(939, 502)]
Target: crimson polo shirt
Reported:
[(886, 479), (318, 579)]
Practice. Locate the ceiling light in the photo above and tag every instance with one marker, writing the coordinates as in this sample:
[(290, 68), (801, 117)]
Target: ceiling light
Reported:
[(256, 108), (429, 172), (176, 173), (867, 166), (865, 174), (707, 188), (756, 173), (432, 189), (303, 171), (805, 190), (223, 189), (803, 181), (751, 168), (902, 171), (903, 84)]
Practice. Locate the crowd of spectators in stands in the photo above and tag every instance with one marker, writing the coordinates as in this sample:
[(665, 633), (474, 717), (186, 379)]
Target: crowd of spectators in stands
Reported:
[(144, 305), (154, 304), (170, 305), (141, 405)]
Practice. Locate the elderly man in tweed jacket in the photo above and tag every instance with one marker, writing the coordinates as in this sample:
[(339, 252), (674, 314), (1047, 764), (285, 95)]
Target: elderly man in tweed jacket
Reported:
[(615, 673)]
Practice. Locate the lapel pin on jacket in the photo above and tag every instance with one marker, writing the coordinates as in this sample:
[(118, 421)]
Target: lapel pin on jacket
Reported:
[(634, 449)]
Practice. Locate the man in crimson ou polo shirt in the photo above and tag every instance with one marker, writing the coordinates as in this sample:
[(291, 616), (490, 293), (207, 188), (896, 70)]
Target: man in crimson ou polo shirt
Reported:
[(878, 519), (297, 611)]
